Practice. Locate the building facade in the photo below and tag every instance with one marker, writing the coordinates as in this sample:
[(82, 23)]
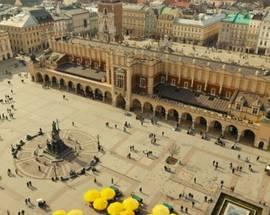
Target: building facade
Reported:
[(29, 31), (165, 21), (204, 96), (110, 19), (138, 21), (263, 46), (5, 47), (240, 32), (202, 30)]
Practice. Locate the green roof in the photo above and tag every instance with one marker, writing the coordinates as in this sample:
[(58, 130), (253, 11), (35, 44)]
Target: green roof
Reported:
[(238, 18)]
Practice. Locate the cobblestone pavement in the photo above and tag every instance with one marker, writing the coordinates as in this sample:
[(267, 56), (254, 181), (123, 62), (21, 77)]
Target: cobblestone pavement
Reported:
[(36, 107)]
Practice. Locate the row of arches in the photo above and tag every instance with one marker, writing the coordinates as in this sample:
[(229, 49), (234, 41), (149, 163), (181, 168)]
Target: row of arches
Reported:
[(87, 91), (186, 120), (198, 123)]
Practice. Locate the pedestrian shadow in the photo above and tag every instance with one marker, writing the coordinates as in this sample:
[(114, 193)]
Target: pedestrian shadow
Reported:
[(33, 188)]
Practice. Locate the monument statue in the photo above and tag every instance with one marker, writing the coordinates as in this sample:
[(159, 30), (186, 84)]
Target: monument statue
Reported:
[(56, 146)]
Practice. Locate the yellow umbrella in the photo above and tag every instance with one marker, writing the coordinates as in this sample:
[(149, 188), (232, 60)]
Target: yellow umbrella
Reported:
[(59, 212), (127, 212), (75, 212), (100, 204), (91, 195), (130, 204), (160, 210), (115, 208), (107, 193)]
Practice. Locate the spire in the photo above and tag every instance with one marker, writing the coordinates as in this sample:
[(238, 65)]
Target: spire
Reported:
[(58, 10)]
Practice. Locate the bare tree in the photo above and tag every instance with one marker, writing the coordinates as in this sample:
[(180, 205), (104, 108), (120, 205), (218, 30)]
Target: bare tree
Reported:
[(174, 149)]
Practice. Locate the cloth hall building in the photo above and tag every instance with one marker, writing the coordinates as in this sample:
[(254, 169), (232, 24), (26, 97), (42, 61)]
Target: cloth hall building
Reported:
[(158, 80)]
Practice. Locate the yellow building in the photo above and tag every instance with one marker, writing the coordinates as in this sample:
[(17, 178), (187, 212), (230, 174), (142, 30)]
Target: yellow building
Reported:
[(5, 48), (165, 21), (202, 30), (29, 31), (201, 95), (138, 21)]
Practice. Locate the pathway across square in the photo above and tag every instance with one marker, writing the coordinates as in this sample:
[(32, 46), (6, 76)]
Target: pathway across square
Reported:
[(36, 107)]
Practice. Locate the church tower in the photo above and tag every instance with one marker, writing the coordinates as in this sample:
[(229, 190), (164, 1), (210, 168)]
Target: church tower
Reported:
[(110, 20)]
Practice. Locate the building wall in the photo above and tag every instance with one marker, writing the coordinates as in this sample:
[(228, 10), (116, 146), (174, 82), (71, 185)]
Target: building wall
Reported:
[(263, 45), (140, 77), (28, 39), (114, 7), (5, 47)]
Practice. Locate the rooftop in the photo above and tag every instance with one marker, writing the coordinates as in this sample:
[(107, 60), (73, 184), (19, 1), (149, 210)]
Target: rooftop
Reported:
[(188, 97), (203, 20), (21, 20), (217, 60), (83, 72), (238, 18)]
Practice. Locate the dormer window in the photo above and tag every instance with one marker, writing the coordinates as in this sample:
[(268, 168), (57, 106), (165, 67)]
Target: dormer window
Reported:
[(173, 82)]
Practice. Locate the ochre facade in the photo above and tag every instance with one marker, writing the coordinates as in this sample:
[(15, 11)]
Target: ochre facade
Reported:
[(207, 97)]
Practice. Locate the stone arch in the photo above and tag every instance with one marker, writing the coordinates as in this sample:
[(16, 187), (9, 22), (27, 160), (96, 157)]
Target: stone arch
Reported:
[(79, 89), (39, 78), (120, 101), (108, 97), (136, 105), (70, 86), (231, 132), (201, 123), (173, 115), (98, 94), (247, 137), (89, 92), (215, 128), (148, 108), (62, 83), (186, 120), (261, 145), (46, 78), (54, 82), (160, 112)]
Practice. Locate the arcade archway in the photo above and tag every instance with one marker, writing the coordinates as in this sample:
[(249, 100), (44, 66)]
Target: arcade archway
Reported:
[(120, 102), (160, 112), (231, 133), (108, 97), (54, 82), (215, 128), (173, 115), (89, 92), (201, 124), (136, 106), (186, 120), (98, 94), (79, 89), (247, 137), (71, 86), (62, 84), (39, 78), (148, 108)]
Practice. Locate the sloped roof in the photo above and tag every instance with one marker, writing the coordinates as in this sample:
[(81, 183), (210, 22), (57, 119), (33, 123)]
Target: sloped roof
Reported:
[(21, 20), (41, 15)]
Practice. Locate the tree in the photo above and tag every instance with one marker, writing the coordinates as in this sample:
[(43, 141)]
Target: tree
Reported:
[(174, 149)]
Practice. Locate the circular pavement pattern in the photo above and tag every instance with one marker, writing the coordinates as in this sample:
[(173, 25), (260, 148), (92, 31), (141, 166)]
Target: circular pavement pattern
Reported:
[(32, 155)]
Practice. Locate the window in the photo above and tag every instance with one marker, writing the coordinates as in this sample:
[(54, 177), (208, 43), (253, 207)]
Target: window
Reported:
[(142, 82), (186, 84), (213, 92), (199, 87), (255, 110), (163, 79), (173, 82), (228, 94), (120, 81), (85, 23)]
